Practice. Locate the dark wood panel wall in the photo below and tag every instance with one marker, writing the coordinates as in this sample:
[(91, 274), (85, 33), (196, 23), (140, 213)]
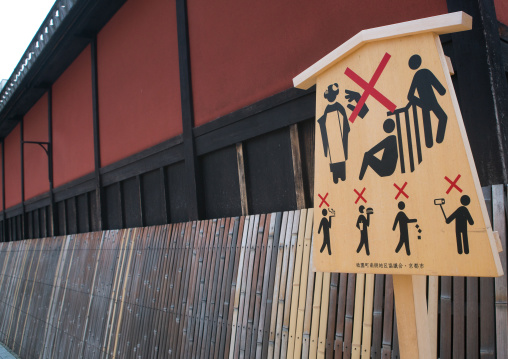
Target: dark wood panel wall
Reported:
[(150, 187), (256, 160)]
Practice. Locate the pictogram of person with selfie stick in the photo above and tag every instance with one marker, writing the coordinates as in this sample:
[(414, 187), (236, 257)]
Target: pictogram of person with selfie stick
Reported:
[(462, 217)]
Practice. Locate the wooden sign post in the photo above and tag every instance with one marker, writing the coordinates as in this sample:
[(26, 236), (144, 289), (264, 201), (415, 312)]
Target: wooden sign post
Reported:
[(396, 190)]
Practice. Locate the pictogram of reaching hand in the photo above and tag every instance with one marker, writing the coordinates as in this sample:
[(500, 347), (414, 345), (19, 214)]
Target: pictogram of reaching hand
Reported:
[(352, 96)]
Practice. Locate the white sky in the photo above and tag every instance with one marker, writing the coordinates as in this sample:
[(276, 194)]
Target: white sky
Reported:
[(19, 21)]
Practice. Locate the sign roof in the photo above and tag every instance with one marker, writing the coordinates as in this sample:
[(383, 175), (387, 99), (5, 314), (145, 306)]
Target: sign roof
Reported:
[(441, 24)]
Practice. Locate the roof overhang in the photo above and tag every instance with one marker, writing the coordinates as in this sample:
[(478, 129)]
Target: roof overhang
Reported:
[(67, 30), (441, 24)]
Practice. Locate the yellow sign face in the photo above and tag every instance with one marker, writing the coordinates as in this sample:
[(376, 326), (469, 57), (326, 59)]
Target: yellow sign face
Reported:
[(396, 190)]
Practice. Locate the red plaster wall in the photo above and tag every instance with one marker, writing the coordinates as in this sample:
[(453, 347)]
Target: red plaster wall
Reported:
[(139, 84), (502, 10), (244, 51), (35, 127), (13, 168), (73, 147)]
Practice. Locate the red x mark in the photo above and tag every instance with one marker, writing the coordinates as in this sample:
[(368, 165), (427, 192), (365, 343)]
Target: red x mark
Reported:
[(401, 190), (369, 88), (360, 196), (453, 184), (323, 200)]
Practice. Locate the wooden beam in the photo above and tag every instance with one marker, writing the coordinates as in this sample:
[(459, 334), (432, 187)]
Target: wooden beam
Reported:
[(432, 311), (481, 83), (99, 196), (4, 219), (22, 146), (255, 120), (500, 284), (241, 179), (412, 319), (193, 207), (52, 209)]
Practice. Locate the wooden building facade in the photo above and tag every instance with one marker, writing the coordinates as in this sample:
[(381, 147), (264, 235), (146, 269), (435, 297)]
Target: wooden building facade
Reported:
[(133, 113), (151, 113)]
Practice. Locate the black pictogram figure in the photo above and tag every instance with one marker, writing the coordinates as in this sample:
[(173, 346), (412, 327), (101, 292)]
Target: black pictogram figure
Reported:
[(424, 82), (326, 224), (355, 96), (362, 224), (337, 168), (388, 162), (402, 220), (462, 217)]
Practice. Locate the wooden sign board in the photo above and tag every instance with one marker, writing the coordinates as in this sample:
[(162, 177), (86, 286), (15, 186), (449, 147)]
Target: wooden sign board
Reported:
[(396, 190)]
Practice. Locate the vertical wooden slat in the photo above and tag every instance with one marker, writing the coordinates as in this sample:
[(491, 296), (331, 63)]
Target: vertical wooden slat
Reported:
[(296, 284), (241, 179), (341, 316), (458, 344), (32, 286), (433, 297), (304, 282), (113, 302), (297, 166), (298, 225), (237, 288), (358, 316), (395, 347), (277, 238), (377, 322), (266, 281), (265, 247), (243, 304), (316, 310), (131, 246), (348, 321), (332, 312), (188, 304), (445, 340), (501, 291), (487, 298), (472, 320), (286, 261), (188, 268), (367, 315), (276, 286), (323, 320), (204, 262), (388, 318), (248, 293), (232, 267), (233, 287)]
